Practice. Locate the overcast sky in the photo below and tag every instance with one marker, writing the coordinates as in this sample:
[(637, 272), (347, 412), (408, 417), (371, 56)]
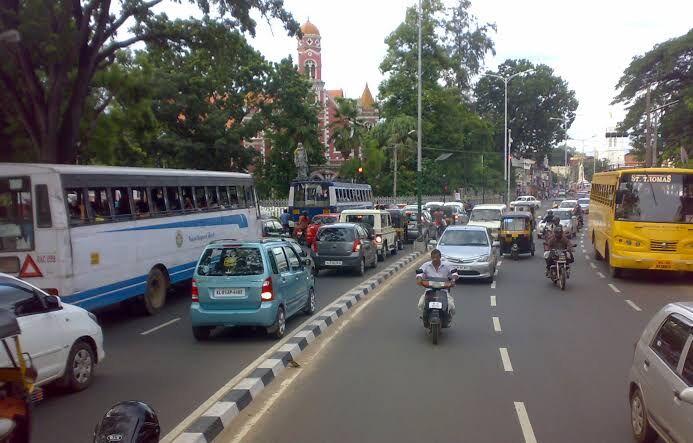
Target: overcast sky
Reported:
[(587, 42)]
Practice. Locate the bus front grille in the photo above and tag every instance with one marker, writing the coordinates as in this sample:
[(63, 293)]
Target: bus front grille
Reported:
[(663, 246)]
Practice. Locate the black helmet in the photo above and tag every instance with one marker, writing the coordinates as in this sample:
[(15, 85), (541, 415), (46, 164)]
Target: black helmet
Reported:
[(549, 212), (558, 231), (128, 422)]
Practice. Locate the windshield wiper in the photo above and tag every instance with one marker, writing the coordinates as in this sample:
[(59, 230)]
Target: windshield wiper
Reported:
[(651, 188)]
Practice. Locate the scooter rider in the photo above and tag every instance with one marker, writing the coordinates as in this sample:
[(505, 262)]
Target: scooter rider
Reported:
[(557, 242), (437, 269)]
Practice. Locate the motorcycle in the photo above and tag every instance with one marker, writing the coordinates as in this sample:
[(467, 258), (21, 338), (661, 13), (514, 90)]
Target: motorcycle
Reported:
[(559, 271), (581, 222), (435, 310), (128, 422)]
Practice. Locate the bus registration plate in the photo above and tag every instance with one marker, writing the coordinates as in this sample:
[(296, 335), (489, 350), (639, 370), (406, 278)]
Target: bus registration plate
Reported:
[(229, 292), (663, 264)]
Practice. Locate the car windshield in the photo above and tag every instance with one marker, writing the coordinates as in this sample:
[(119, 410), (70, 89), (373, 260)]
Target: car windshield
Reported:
[(485, 215), (514, 224), (361, 218), (336, 234), (585, 201), (659, 198), (563, 215), (454, 237), (570, 204), (230, 261)]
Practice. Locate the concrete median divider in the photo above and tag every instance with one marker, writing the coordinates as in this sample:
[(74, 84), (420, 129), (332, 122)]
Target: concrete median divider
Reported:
[(211, 423)]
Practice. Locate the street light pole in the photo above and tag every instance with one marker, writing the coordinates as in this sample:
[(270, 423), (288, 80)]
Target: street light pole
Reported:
[(418, 129)]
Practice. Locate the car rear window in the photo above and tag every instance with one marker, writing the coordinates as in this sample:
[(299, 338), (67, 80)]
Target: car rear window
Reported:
[(336, 234), (318, 220), (231, 260), (359, 218)]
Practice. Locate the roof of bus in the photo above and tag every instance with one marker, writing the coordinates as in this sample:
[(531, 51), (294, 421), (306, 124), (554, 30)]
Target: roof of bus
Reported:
[(331, 182), (115, 170)]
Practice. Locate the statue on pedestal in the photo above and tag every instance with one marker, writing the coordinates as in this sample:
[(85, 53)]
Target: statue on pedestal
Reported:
[(301, 162)]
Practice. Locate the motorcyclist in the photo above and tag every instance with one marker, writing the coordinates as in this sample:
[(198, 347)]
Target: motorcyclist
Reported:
[(301, 226), (551, 221), (557, 242), (435, 268), (578, 213)]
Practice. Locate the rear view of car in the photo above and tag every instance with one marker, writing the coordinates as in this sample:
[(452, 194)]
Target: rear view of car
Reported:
[(344, 246), (249, 284), (316, 222), (584, 205)]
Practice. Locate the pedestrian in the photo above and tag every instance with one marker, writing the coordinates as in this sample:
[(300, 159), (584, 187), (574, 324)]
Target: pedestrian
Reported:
[(284, 219)]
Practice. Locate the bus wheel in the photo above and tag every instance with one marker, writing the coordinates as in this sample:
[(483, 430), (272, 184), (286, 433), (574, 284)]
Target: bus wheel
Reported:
[(158, 285), (614, 271), (597, 255)]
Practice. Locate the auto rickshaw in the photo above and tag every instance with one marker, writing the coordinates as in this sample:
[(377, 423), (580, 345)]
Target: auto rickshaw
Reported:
[(516, 234), (16, 384), (399, 222)]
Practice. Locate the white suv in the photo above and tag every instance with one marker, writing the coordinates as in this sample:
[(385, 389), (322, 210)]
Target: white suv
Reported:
[(661, 378), (381, 222), (64, 342)]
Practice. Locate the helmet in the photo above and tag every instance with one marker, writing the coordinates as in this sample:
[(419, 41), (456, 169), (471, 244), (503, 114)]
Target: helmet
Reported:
[(128, 422), (549, 212), (558, 231)]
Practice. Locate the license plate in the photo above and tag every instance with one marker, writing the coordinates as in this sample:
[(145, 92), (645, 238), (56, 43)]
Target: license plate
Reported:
[(435, 305), (465, 268), (333, 263), (229, 292), (663, 264)]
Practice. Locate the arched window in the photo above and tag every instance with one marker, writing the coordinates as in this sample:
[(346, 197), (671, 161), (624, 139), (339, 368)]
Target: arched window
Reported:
[(310, 69)]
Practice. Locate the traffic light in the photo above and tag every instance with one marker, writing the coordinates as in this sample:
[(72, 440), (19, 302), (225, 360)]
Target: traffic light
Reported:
[(359, 175), (360, 171)]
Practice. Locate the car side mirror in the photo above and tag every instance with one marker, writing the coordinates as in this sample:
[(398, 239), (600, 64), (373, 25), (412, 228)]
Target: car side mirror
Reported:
[(52, 302), (496, 244), (686, 395), (433, 243)]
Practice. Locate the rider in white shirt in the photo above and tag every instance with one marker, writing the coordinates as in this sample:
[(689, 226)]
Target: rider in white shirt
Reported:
[(436, 269)]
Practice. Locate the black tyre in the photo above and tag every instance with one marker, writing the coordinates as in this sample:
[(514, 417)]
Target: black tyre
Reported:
[(311, 304), (79, 369), (278, 329), (201, 333), (361, 267), (375, 261), (435, 333), (562, 281), (381, 255), (614, 271), (400, 245), (643, 432), (158, 285)]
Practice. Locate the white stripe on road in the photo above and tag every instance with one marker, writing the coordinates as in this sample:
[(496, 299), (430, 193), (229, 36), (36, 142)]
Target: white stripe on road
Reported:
[(493, 300), (593, 265), (506, 360), (163, 325), (601, 275), (499, 263), (493, 285), (584, 251), (496, 324), (526, 426), (587, 257), (614, 288), (633, 305)]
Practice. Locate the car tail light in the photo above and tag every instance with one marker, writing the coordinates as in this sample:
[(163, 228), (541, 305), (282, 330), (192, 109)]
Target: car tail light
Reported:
[(357, 246), (52, 291), (267, 294), (194, 293)]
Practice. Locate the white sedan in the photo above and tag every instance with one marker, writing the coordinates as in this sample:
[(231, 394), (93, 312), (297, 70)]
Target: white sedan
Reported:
[(64, 342), (527, 200)]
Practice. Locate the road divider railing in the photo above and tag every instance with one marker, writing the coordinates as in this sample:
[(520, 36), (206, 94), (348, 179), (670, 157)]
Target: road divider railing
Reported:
[(205, 428)]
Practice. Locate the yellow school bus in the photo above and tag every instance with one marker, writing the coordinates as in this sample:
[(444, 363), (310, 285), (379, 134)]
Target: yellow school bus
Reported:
[(643, 219)]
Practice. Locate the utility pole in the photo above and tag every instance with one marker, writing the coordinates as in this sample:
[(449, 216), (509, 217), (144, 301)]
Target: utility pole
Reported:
[(483, 180), (418, 126), (394, 191)]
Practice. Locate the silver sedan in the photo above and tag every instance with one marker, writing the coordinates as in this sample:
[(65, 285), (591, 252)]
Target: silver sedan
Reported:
[(470, 250)]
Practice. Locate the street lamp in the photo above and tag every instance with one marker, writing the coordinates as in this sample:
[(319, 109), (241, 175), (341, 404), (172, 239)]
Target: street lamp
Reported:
[(10, 36), (506, 168), (418, 125)]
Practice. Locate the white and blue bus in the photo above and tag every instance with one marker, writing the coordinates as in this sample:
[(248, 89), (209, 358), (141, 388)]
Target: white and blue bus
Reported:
[(327, 197), (98, 235)]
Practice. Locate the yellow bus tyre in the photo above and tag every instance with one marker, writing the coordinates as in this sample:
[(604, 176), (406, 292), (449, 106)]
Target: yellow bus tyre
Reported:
[(158, 285)]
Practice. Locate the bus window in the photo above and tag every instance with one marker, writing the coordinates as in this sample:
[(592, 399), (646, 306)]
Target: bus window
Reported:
[(43, 208), (156, 197), (200, 197), (223, 196), (251, 196), (100, 209), (140, 202), (121, 202), (233, 196), (213, 196), (16, 222), (248, 196), (299, 195), (188, 204), (241, 197), (173, 195), (77, 212)]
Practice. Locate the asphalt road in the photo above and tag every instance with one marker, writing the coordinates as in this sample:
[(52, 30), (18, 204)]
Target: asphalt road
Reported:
[(564, 378), (164, 367)]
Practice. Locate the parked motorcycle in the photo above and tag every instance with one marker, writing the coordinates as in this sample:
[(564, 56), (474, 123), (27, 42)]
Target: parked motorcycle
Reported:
[(435, 310)]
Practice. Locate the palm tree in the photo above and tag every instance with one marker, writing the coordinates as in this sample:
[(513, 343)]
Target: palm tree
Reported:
[(346, 131)]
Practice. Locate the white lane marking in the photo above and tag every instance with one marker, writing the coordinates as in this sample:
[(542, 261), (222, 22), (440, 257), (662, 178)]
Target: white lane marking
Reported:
[(496, 324), (526, 426), (601, 275), (493, 300), (496, 273), (614, 288), (493, 285), (499, 263), (587, 257), (633, 305), (584, 251), (507, 366), (163, 325), (593, 265)]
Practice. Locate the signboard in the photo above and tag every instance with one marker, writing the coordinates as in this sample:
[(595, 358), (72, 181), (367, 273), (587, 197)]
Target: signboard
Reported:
[(650, 178)]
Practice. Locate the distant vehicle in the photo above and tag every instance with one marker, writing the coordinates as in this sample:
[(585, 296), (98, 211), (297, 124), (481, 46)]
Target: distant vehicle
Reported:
[(327, 197), (641, 219), (459, 215), (271, 227), (470, 250), (661, 377), (316, 222), (385, 233), (569, 204), (344, 246), (568, 222), (561, 194), (584, 204), (64, 342), (250, 283), (428, 228), (430, 204), (488, 216), (527, 200), (103, 235)]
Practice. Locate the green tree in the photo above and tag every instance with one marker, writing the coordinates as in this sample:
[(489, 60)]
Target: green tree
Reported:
[(557, 156), (533, 100), (346, 131), (47, 78), (667, 69)]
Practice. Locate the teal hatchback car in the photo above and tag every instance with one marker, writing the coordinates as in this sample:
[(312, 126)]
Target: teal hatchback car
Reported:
[(250, 283)]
